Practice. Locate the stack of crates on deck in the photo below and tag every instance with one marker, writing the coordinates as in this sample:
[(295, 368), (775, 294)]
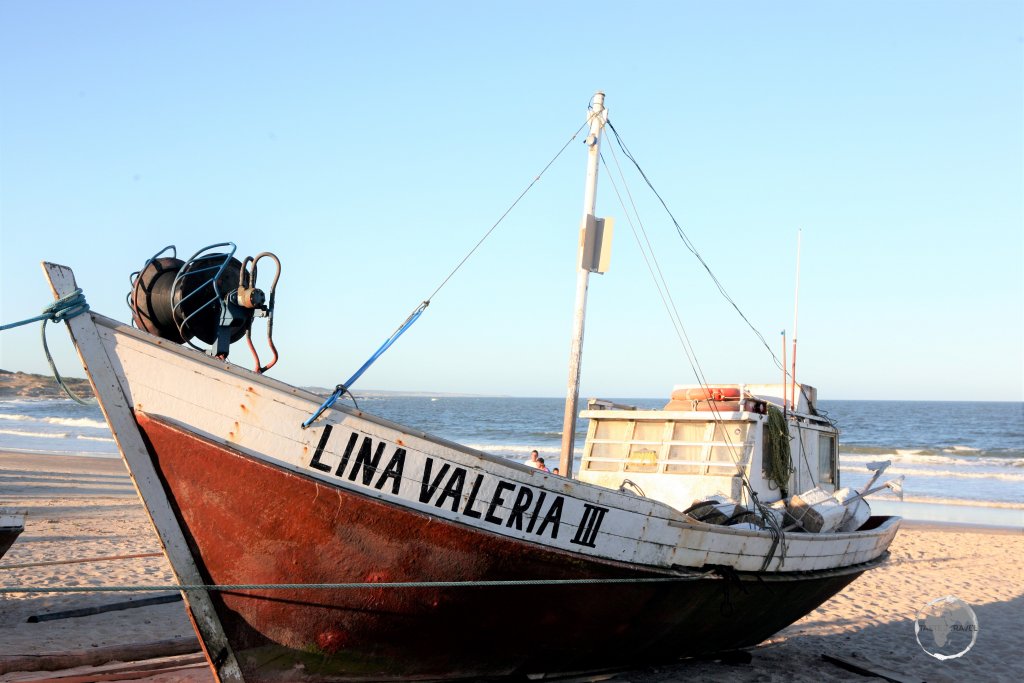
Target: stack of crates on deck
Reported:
[(816, 511)]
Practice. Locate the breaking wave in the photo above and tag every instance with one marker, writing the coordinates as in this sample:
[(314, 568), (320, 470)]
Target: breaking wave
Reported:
[(937, 500), (516, 450), (61, 421), (954, 474), (76, 422), (1011, 457), (37, 435), (83, 437)]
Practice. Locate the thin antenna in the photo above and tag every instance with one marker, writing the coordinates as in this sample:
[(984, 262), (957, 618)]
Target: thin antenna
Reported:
[(796, 315), (784, 391)]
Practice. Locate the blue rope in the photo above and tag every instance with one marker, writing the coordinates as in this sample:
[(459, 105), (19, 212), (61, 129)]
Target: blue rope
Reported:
[(340, 390), (64, 308)]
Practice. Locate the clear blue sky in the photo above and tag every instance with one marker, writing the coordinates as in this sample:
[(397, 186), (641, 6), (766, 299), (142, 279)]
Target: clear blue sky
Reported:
[(371, 144)]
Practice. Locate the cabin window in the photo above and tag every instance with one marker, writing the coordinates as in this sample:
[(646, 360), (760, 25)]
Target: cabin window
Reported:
[(609, 445), (669, 446), (685, 454), (646, 443), (826, 458), (729, 439)]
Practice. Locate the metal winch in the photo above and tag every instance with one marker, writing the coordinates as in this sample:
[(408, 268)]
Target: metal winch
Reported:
[(212, 297)]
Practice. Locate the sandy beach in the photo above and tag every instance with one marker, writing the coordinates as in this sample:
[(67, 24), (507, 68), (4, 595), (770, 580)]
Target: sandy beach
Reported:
[(82, 508)]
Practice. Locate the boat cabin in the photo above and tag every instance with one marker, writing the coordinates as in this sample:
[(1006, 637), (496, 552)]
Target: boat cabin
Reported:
[(696, 445)]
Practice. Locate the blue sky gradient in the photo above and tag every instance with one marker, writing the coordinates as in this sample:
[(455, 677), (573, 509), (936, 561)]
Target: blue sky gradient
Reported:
[(370, 145)]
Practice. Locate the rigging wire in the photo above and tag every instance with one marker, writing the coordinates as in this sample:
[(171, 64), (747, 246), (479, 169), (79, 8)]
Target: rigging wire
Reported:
[(693, 249), (673, 313), (689, 244), (509, 209), (659, 279), (661, 284), (342, 389), (663, 291)]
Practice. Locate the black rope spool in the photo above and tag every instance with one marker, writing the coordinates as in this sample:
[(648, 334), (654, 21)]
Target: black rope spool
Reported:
[(179, 300)]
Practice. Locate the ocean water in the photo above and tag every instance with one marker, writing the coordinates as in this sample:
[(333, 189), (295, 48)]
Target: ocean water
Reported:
[(955, 455), (54, 426)]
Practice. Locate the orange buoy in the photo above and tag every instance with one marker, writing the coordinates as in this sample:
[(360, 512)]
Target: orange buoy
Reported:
[(708, 393), (720, 406)]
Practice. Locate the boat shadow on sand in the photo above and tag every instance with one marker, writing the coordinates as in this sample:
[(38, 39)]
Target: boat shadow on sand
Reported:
[(888, 648)]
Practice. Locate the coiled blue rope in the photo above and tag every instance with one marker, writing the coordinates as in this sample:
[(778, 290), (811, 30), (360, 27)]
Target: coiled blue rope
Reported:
[(64, 308), (340, 390)]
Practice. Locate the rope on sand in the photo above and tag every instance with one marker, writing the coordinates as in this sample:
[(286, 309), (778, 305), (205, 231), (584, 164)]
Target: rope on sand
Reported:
[(349, 586), (84, 560)]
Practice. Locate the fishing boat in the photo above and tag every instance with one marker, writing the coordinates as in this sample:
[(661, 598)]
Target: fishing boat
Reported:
[(315, 541), (12, 523)]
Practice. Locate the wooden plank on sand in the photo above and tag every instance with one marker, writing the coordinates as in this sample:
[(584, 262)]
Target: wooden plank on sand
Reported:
[(121, 675), (94, 656)]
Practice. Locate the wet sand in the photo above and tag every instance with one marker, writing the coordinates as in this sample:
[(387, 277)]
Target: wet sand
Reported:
[(81, 508)]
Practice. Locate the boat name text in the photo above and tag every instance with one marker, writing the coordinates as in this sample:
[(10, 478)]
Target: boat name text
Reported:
[(508, 504)]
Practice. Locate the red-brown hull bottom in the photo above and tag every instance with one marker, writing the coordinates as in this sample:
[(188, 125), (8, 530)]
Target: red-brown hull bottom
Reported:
[(249, 522)]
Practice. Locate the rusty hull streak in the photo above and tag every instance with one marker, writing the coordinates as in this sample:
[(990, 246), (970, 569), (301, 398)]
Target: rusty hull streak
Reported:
[(249, 522)]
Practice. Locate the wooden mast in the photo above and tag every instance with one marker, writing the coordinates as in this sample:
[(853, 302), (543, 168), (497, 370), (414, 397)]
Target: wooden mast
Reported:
[(598, 117)]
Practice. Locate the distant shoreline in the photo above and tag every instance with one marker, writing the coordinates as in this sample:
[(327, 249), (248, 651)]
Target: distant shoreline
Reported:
[(17, 384), (385, 393), (28, 385)]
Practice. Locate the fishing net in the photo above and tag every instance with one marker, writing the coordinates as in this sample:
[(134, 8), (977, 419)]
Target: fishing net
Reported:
[(778, 460)]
